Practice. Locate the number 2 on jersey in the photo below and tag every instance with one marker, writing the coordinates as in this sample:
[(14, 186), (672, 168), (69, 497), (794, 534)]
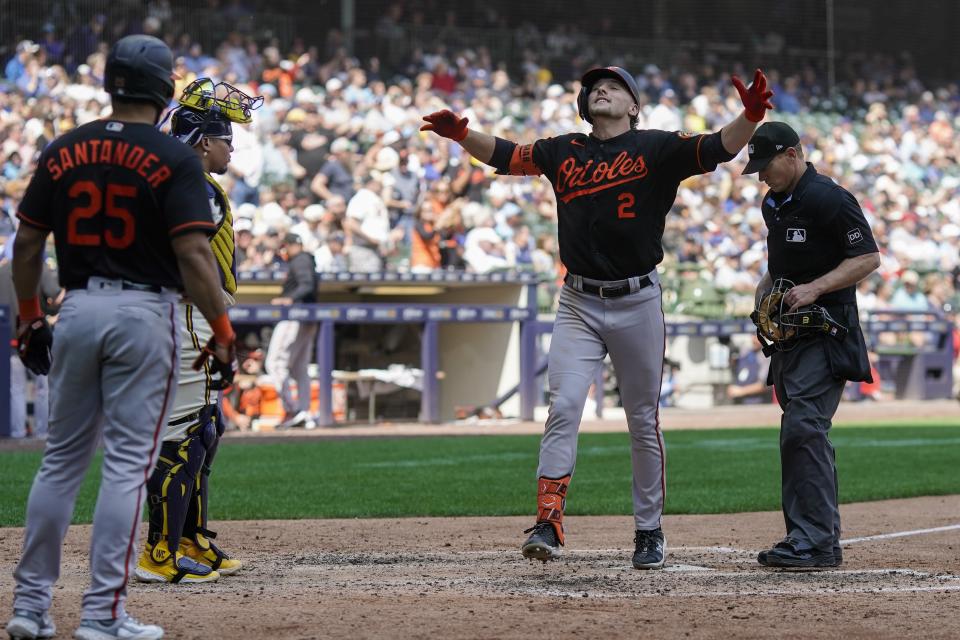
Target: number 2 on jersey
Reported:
[(93, 206), (626, 201)]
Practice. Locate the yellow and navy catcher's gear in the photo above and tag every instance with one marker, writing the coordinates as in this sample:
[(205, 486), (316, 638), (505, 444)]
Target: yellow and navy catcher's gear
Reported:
[(207, 110), (779, 329), (222, 243), (204, 95), (174, 485)]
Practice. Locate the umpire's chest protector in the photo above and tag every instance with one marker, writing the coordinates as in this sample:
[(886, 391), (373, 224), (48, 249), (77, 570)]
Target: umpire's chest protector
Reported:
[(802, 239)]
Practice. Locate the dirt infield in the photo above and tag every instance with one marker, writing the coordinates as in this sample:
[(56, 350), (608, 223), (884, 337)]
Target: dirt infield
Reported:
[(464, 577)]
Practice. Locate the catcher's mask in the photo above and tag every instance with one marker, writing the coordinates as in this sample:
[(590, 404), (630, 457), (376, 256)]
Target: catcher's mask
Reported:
[(207, 110), (780, 329)]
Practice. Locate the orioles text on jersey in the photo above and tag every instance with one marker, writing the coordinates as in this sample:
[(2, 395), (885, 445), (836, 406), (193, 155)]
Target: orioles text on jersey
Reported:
[(590, 178)]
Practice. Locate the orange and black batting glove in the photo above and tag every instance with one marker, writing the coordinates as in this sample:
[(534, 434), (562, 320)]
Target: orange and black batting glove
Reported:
[(756, 97), (34, 338), (446, 124), (223, 336)]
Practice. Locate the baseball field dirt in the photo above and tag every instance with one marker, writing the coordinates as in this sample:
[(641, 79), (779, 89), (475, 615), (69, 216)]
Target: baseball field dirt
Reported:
[(465, 578)]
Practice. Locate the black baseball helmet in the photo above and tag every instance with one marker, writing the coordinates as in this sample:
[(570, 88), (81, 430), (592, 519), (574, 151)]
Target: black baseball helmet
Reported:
[(140, 67), (590, 78)]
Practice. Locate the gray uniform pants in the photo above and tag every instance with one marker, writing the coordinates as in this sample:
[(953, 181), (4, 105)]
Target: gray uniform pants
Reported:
[(809, 396), (631, 328), (288, 361), (114, 373)]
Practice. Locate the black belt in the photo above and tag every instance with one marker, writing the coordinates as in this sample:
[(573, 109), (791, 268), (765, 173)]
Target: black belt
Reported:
[(195, 416), (614, 289), (128, 286)]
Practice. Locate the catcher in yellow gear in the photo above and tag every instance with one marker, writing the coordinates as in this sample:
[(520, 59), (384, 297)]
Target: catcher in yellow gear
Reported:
[(178, 546)]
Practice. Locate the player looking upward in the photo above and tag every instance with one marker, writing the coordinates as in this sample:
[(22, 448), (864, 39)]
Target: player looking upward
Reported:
[(614, 188)]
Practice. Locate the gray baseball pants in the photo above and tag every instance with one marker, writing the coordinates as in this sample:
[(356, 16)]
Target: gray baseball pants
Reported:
[(114, 374), (631, 329)]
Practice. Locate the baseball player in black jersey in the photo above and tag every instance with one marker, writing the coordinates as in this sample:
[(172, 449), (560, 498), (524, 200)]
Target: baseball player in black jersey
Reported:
[(820, 246), (614, 188), (126, 206), (179, 548)]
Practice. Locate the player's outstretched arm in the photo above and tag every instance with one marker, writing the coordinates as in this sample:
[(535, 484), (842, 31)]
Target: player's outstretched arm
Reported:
[(756, 102), (449, 125)]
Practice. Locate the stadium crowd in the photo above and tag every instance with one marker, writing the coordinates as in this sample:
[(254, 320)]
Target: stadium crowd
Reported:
[(335, 154)]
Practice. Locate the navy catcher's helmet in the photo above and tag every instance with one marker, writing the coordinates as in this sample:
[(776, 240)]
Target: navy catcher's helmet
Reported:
[(190, 126), (590, 78), (140, 67)]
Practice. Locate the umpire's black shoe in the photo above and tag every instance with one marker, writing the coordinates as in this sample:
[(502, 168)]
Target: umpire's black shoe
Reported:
[(542, 544), (651, 549), (786, 554)]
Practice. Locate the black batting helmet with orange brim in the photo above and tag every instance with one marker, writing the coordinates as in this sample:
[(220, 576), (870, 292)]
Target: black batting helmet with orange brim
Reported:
[(590, 78)]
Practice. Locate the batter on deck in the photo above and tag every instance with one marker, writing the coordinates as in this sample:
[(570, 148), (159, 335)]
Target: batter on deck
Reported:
[(614, 189)]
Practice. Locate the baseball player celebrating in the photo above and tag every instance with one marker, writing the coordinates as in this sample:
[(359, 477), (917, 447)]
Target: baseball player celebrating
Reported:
[(614, 189), (121, 201), (178, 545)]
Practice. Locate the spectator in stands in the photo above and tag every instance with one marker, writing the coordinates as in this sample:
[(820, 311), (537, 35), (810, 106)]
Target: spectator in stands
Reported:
[(332, 257), (336, 175), (749, 370), (367, 222), (17, 65), (310, 228), (425, 241), (909, 297), (483, 248)]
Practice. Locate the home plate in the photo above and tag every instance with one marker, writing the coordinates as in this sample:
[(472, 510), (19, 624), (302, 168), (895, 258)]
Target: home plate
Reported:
[(685, 568)]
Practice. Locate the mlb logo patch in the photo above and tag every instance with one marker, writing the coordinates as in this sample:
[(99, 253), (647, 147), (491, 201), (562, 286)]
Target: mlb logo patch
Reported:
[(854, 236), (796, 235)]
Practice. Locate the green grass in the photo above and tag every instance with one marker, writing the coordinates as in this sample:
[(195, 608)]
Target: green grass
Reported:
[(717, 471)]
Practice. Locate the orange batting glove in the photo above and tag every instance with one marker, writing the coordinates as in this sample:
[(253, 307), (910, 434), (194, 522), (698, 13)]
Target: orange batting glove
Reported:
[(446, 124), (756, 98)]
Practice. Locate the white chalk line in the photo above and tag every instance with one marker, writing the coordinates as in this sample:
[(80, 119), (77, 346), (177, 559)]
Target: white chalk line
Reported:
[(900, 534), (807, 592)]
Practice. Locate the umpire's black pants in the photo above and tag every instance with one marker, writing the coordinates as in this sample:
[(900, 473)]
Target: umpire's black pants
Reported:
[(809, 396)]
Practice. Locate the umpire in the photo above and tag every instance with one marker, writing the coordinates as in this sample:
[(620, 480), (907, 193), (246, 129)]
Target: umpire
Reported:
[(819, 240)]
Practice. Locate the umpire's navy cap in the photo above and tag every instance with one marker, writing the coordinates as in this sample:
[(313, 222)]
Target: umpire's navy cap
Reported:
[(769, 140)]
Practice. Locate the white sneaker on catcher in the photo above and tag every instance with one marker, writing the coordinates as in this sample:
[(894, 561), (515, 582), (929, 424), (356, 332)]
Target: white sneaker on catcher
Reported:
[(125, 628)]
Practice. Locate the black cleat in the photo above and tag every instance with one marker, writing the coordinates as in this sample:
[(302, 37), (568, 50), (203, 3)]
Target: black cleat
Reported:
[(651, 551), (786, 554), (542, 544)]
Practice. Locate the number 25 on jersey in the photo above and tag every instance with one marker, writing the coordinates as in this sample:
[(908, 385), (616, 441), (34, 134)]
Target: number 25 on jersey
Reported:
[(118, 232)]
